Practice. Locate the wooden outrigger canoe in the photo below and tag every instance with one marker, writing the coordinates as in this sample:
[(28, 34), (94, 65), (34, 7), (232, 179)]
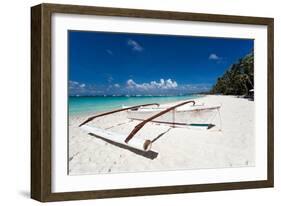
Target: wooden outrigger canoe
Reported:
[(142, 143)]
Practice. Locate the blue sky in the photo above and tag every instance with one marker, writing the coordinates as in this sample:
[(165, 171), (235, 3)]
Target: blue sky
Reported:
[(103, 63)]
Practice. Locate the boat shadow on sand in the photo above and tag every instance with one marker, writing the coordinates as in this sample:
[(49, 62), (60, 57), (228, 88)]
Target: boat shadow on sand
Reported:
[(149, 154)]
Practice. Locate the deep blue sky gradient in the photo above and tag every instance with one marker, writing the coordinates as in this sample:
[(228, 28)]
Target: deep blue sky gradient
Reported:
[(99, 60)]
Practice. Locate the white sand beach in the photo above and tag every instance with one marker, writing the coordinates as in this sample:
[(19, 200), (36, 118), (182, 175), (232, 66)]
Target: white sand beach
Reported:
[(231, 144)]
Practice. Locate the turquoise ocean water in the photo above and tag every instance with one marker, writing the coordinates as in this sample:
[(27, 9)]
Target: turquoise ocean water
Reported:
[(82, 105)]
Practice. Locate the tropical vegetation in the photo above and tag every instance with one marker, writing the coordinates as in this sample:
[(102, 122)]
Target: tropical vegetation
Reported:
[(238, 79)]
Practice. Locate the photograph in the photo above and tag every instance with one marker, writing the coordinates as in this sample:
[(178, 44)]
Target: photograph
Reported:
[(154, 102)]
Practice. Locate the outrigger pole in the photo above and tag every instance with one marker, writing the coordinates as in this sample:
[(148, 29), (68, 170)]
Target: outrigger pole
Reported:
[(140, 125), (115, 111)]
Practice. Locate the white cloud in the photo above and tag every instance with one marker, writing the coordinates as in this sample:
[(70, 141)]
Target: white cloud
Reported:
[(77, 87), (74, 84), (159, 87), (214, 57), (162, 84), (135, 45), (131, 83), (109, 79), (109, 51)]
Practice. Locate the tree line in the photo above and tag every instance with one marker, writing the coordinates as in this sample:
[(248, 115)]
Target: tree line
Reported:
[(238, 79)]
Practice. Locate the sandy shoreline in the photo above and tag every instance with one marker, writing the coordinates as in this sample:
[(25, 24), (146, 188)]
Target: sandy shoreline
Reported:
[(173, 148)]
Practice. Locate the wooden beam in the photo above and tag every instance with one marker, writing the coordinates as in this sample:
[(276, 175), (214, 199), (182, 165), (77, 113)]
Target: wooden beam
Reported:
[(115, 111)]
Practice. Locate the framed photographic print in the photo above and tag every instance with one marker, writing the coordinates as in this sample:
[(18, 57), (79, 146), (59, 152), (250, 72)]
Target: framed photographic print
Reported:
[(132, 102)]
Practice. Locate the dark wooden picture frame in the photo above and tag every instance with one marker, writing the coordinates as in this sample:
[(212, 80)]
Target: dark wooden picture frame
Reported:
[(41, 116)]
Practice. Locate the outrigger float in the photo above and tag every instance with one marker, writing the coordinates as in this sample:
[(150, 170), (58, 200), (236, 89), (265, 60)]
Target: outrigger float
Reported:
[(191, 116)]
